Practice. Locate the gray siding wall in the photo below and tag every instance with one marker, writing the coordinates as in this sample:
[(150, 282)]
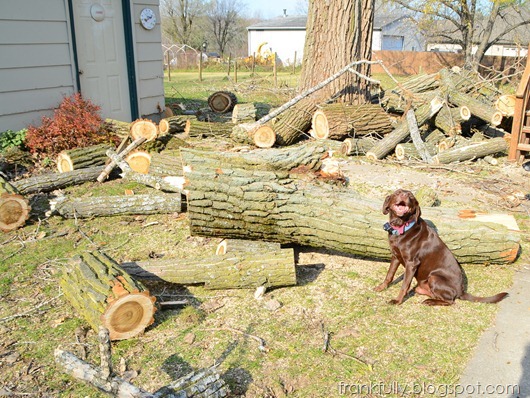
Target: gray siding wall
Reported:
[(149, 62), (36, 69)]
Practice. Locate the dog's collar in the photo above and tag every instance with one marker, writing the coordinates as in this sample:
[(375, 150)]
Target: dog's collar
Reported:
[(398, 230)]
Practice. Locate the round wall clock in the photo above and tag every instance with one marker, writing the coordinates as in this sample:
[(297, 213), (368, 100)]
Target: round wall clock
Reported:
[(148, 18)]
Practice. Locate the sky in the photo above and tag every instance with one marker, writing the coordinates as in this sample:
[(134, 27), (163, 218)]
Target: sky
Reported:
[(267, 9)]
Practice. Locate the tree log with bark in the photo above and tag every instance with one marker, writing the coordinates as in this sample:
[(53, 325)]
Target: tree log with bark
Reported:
[(294, 122), (244, 113), (231, 199), (357, 146), (222, 101), (14, 208), (472, 151), (175, 124), (339, 121), (105, 295), (80, 158)]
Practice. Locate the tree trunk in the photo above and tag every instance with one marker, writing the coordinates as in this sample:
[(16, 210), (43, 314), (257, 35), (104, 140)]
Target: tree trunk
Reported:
[(196, 128), (104, 295), (14, 208), (222, 101), (338, 32), (472, 151), (477, 108), (243, 245), (166, 163), (239, 270), (229, 200), (244, 113), (423, 114), (174, 124), (338, 121), (51, 181), (80, 158), (121, 129), (357, 146), (116, 205), (294, 122)]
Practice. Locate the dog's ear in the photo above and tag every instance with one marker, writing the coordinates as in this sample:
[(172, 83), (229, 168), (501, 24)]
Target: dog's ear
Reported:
[(417, 208), (386, 207)]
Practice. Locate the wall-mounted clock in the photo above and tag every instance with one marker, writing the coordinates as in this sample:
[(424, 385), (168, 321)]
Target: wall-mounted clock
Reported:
[(148, 18)]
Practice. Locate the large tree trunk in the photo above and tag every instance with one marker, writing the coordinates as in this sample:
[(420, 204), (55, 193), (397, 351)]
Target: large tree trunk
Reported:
[(104, 295), (338, 32), (235, 200), (290, 125)]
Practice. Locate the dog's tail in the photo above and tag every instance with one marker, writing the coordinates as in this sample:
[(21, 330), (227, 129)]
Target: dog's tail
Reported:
[(491, 299)]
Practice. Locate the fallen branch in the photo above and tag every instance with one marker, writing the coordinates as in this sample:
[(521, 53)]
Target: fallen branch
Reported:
[(106, 171)]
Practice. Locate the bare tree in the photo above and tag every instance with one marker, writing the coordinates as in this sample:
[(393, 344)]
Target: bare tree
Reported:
[(180, 20), (223, 16), (337, 33), (470, 23)]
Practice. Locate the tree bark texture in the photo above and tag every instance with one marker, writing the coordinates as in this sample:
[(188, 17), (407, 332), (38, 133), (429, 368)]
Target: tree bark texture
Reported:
[(232, 202), (338, 32), (449, 120), (166, 163), (118, 127), (294, 122), (105, 206), (105, 295), (357, 146), (409, 93), (477, 108), (80, 158), (243, 245), (51, 181), (423, 114), (174, 124), (472, 151), (244, 113), (408, 151), (234, 270), (338, 121), (196, 128)]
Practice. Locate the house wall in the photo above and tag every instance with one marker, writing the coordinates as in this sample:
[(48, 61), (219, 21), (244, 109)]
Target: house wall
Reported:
[(149, 62), (283, 42), (36, 64)]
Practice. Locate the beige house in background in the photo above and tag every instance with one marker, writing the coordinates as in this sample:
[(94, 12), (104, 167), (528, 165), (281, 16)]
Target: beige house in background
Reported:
[(109, 50)]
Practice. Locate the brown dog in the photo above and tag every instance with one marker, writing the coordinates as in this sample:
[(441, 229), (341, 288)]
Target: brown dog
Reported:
[(423, 254)]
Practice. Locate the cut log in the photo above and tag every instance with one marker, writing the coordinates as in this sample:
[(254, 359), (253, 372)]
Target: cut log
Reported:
[(449, 120), (357, 146), (174, 124), (104, 295), (196, 128), (109, 167), (51, 181), (139, 161), (242, 245), (121, 129), (294, 122), (167, 163), (244, 113), (143, 128), (230, 200), (477, 108), (472, 151), (241, 270), (117, 205), (14, 208), (411, 92), (222, 101), (338, 121), (408, 151), (80, 158), (262, 136), (423, 114), (505, 104)]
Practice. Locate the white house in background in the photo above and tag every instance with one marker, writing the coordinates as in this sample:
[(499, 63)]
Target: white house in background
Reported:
[(286, 36), (109, 50)]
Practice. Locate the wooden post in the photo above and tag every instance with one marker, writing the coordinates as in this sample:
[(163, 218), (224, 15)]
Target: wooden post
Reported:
[(294, 63), (274, 71), (235, 70), (200, 67), (229, 61), (168, 68), (253, 63)]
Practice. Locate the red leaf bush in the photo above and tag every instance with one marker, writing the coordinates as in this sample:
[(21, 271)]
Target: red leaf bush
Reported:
[(75, 123)]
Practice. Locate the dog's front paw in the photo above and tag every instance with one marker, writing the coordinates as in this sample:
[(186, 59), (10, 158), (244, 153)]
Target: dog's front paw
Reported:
[(381, 287), (394, 302)]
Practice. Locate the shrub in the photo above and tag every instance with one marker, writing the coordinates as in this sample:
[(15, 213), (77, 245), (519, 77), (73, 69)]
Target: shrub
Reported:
[(75, 123), (10, 139)]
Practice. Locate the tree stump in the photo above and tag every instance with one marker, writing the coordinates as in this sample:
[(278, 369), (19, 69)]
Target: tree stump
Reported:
[(104, 295), (118, 205), (222, 101), (140, 161), (80, 158), (143, 128), (339, 121), (244, 113), (233, 270), (14, 208), (233, 198)]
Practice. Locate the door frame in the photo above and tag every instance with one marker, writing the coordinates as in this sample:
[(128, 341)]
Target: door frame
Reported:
[(129, 54)]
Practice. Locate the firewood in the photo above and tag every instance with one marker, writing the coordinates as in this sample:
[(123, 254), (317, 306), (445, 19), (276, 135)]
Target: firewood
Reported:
[(408, 151), (449, 120), (118, 127), (222, 101), (196, 128), (240, 270), (14, 208), (104, 206), (80, 158), (476, 108), (174, 124), (247, 133), (472, 151), (105, 295), (423, 114), (51, 181), (357, 146), (239, 199), (244, 113), (143, 128), (338, 121), (294, 122)]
